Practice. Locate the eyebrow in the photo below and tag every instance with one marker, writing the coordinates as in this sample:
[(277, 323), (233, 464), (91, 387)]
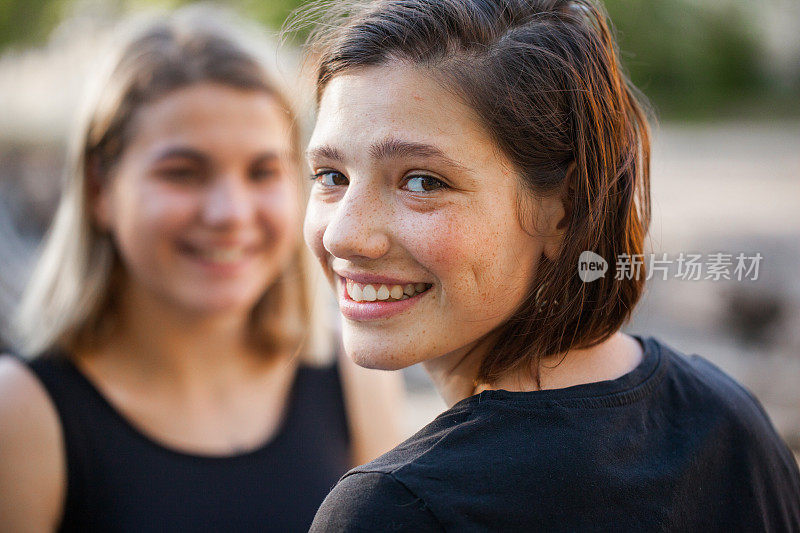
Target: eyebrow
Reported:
[(200, 157), (390, 148), (177, 151), (324, 152)]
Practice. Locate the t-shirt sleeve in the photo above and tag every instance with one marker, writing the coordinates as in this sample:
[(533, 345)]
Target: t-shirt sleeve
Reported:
[(373, 501), (777, 482), (767, 469)]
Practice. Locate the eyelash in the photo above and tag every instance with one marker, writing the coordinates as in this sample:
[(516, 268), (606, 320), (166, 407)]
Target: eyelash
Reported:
[(190, 174), (180, 174), (317, 177), (440, 184), (263, 174)]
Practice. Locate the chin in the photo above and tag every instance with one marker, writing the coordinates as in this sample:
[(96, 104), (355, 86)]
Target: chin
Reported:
[(209, 304), (377, 358)]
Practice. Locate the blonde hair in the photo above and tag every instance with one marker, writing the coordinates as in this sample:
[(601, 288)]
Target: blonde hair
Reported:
[(69, 301)]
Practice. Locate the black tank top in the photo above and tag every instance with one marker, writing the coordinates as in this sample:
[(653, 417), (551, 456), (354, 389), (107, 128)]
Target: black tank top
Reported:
[(118, 479)]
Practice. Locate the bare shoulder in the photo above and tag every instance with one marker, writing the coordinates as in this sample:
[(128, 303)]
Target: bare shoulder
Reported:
[(375, 401), (23, 398), (32, 464)]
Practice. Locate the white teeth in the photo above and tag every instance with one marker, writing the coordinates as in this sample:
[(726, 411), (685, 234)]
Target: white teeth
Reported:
[(383, 293), (222, 255), (354, 290), (396, 292), (369, 293)]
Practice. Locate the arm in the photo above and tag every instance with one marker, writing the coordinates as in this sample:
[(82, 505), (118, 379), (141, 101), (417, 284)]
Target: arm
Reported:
[(375, 403), (373, 501), (32, 463)]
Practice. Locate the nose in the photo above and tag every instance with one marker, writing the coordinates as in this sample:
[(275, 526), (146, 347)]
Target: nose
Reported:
[(357, 229), (227, 202)]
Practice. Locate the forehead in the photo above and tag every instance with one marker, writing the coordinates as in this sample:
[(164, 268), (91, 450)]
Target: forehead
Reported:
[(361, 108), (215, 116)]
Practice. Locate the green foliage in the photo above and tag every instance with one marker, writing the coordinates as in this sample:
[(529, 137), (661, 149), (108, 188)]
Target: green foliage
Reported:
[(690, 58), (271, 13), (24, 22), (29, 22), (693, 59)]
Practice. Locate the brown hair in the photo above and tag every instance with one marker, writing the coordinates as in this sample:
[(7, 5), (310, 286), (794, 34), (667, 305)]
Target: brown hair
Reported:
[(70, 300), (545, 78)]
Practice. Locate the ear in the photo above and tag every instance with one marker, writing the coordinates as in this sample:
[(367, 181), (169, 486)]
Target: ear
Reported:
[(556, 215), (98, 194)]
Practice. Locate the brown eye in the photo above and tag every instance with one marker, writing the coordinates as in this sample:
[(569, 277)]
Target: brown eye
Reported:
[(330, 178), (180, 173), (263, 174), (423, 183)]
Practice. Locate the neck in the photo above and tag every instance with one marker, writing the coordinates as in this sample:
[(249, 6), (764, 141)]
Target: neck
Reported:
[(160, 341), (455, 374), (611, 359)]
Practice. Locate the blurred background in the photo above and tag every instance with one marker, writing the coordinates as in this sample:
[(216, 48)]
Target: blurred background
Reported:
[(722, 75)]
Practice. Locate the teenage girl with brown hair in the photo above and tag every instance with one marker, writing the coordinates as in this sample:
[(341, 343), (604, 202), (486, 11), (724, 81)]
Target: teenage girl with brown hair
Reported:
[(466, 154)]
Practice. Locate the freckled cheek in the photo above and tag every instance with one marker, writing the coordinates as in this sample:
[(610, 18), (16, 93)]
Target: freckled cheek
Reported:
[(446, 247), (463, 256), (440, 251)]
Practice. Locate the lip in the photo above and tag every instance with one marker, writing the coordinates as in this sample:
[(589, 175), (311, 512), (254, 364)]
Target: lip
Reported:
[(377, 310), (247, 246), (218, 268), (373, 279)]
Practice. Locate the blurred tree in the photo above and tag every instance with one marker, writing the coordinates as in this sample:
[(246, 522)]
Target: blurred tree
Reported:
[(26, 22), (693, 59), (29, 22), (271, 13), (690, 58)]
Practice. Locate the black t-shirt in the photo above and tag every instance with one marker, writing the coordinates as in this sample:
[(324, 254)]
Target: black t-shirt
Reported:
[(674, 445)]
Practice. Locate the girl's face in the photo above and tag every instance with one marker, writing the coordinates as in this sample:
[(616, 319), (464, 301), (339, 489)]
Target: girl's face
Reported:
[(202, 204), (414, 217)]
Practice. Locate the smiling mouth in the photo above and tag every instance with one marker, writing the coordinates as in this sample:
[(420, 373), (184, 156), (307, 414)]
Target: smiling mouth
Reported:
[(221, 255), (366, 292)]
